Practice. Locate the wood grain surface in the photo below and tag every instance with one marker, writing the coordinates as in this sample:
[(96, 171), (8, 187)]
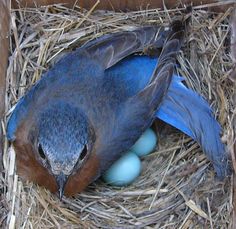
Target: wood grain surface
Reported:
[(4, 29), (120, 5)]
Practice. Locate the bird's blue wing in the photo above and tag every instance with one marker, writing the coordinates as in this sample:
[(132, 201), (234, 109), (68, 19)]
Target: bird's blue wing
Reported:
[(87, 61), (182, 108), (135, 73)]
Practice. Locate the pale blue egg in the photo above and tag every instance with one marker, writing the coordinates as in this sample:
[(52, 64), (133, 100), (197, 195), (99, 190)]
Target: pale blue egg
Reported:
[(124, 171), (145, 144)]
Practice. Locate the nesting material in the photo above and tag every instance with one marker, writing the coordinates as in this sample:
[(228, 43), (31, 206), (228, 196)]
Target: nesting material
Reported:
[(177, 187)]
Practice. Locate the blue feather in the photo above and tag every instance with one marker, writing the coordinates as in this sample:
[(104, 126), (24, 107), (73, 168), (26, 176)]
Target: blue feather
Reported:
[(182, 108)]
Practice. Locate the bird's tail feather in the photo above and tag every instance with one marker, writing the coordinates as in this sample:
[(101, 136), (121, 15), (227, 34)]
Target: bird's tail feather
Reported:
[(189, 112)]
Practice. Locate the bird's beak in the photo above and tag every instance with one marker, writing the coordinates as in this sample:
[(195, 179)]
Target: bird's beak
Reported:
[(61, 180)]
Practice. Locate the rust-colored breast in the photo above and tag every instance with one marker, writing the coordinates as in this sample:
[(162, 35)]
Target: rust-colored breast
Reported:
[(27, 165), (30, 169), (84, 177)]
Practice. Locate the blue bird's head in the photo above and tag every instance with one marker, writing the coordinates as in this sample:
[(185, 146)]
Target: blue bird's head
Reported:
[(64, 141)]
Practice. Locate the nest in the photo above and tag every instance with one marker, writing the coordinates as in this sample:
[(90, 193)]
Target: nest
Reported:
[(177, 187)]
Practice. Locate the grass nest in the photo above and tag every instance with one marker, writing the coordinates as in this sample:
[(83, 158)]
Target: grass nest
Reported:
[(177, 187)]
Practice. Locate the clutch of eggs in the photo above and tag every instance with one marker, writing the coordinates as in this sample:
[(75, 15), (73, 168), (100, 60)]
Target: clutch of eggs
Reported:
[(125, 170)]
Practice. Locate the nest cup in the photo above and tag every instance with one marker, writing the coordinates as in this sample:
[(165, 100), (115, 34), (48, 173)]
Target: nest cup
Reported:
[(177, 187)]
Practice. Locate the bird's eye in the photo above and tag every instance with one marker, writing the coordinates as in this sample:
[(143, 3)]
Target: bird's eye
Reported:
[(83, 153), (41, 153)]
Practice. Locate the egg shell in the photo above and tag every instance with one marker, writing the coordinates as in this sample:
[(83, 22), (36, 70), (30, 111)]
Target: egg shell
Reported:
[(145, 144), (124, 171)]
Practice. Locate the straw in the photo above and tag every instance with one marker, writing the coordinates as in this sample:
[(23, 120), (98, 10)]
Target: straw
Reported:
[(177, 180)]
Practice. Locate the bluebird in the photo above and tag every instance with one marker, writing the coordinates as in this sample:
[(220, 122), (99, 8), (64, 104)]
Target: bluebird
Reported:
[(96, 101)]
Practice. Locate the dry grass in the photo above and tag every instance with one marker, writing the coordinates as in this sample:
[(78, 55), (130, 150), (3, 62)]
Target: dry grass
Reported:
[(177, 187)]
